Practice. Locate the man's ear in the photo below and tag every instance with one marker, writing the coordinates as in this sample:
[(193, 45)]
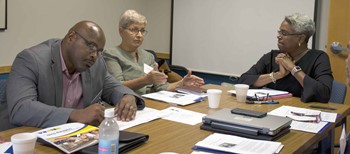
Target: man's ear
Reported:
[(71, 36)]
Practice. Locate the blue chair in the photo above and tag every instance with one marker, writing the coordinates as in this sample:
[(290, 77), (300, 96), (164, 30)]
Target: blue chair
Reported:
[(338, 92), (338, 96)]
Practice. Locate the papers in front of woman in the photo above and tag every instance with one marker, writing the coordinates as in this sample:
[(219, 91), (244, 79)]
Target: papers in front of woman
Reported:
[(217, 143), (274, 94), (174, 97), (307, 120)]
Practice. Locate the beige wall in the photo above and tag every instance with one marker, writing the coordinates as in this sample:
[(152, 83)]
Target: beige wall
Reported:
[(33, 21)]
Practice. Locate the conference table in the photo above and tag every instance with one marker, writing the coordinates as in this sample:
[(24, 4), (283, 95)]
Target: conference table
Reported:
[(169, 136)]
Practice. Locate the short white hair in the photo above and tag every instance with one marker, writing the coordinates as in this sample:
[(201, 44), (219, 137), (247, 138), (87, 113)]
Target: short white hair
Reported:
[(131, 16)]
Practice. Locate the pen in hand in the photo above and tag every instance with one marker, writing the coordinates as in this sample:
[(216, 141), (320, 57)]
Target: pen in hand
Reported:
[(97, 98)]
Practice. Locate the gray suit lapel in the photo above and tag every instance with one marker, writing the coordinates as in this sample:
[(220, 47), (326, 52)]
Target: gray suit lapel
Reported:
[(87, 87), (57, 73)]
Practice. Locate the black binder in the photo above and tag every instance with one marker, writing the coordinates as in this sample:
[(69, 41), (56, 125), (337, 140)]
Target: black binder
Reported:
[(127, 142)]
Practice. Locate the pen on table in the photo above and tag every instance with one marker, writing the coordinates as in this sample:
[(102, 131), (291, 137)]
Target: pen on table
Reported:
[(199, 99), (97, 98), (321, 107)]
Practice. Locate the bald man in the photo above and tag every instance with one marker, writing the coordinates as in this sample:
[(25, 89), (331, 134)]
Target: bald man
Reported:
[(62, 80)]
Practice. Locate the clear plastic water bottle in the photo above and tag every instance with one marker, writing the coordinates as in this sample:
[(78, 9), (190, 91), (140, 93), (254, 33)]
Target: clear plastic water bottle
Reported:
[(108, 134)]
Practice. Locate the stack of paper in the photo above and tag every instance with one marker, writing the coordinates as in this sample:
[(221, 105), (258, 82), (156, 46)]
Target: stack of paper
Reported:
[(219, 143), (174, 97), (261, 93)]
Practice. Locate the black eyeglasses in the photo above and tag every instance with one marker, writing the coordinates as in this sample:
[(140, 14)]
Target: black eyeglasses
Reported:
[(91, 45), (285, 33), (135, 31)]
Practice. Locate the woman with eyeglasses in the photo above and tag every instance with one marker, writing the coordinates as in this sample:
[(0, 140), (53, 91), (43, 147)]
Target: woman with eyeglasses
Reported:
[(127, 62), (295, 68)]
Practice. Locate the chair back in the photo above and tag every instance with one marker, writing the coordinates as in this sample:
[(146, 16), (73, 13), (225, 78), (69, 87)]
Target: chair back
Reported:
[(3, 90), (338, 92)]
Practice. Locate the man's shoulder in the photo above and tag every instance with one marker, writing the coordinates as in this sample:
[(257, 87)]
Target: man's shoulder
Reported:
[(43, 46)]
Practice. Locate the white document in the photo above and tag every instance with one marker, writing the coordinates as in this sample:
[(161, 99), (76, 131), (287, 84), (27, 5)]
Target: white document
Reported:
[(182, 115), (235, 144), (174, 97), (143, 116), (5, 147), (308, 126), (147, 68), (286, 111), (262, 92)]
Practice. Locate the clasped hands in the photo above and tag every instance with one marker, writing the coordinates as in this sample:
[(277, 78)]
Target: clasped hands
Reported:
[(94, 114), (285, 62)]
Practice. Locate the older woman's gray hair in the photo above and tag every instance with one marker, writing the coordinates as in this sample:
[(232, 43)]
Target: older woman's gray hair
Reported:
[(130, 17), (302, 24)]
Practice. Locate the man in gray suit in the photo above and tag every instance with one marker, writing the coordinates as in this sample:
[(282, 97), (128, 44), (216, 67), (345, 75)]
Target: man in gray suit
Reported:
[(60, 81)]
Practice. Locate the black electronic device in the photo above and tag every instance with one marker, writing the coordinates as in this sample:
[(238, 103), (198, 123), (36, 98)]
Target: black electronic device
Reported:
[(250, 113)]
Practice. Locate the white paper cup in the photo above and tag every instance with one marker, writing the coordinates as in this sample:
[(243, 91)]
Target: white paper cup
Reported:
[(23, 143), (214, 96), (241, 92)]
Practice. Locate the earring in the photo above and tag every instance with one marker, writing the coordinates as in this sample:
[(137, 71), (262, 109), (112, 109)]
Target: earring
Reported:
[(299, 44)]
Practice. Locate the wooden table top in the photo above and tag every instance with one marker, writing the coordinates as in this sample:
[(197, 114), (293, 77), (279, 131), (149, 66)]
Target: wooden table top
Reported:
[(169, 136)]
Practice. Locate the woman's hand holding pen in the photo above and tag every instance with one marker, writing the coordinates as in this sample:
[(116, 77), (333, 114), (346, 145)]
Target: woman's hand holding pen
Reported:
[(126, 108)]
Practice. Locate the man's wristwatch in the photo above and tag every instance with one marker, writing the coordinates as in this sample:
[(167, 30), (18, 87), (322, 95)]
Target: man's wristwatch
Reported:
[(295, 70)]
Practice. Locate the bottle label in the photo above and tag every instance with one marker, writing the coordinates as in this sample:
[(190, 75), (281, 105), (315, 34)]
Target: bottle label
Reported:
[(108, 146)]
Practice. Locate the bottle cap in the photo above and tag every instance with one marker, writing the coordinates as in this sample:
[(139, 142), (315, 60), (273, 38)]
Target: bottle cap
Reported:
[(109, 113)]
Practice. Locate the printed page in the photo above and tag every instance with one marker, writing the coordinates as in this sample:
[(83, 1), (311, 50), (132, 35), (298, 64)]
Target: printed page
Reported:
[(142, 116), (305, 123), (308, 126), (235, 144), (182, 115)]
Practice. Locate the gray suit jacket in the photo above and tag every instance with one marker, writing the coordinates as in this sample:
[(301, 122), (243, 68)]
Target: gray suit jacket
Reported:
[(34, 88)]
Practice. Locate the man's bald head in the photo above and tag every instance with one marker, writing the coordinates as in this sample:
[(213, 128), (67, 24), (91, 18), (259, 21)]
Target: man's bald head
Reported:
[(82, 45)]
